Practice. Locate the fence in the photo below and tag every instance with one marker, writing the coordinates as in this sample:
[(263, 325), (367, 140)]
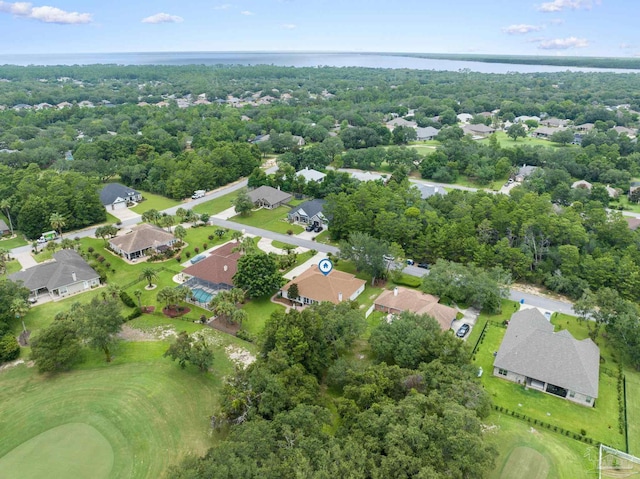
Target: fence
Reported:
[(370, 310)]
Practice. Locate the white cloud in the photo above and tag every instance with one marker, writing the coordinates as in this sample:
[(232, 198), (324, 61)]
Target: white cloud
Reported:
[(556, 21), (626, 46), (563, 43), (521, 29), (163, 18), (224, 6), (246, 12), (45, 13), (559, 5), (289, 26)]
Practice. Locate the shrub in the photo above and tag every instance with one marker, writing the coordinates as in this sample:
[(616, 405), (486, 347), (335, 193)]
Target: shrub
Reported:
[(289, 232), (210, 237), (409, 281), (96, 254), (100, 259), (196, 249), (187, 254), (134, 314), (178, 258), (127, 300), (583, 432), (90, 249), (245, 335), (9, 348), (108, 265), (205, 245)]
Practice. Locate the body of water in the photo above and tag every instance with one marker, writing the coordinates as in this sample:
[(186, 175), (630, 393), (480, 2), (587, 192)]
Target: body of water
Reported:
[(368, 60)]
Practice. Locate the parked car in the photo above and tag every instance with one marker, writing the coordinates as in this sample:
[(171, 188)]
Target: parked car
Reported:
[(318, 228), (462, 331), (309, 228), (423, 265), (410, 262)]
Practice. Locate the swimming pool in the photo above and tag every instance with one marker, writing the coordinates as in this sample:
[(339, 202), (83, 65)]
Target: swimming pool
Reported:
[(201, 296)]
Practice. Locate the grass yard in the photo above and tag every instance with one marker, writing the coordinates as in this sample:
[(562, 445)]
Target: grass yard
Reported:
[(132, 418), (10, 243), (534, 453), (273, 220), (633, 413), (324, 238), (258, 311), (151, 201), (600, 422), (281, 245), (11, 267), (505, 142), (217, 205)]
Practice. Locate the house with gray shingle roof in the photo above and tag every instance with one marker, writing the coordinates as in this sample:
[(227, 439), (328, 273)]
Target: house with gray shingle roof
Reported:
[(68, 273), (115, 196), (533, 355), (427, 133), (309, 212), (309, 174), (269, 197), (427, 191), (4, 228)]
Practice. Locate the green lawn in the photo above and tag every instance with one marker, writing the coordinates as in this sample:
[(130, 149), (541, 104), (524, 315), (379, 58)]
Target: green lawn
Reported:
[(325, 238), (600, 422), (132, 418), (517, 442), (273, 220), (10, 243), (281, 245), (151, 201), (627, 206), (633, 413), (505, 142), (217, 205), (258, 311), (11, 267)]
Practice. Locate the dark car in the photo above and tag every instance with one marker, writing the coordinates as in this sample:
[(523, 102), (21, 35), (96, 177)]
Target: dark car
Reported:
[(309, 228), (423, 265), (318, 228), (462, 331)]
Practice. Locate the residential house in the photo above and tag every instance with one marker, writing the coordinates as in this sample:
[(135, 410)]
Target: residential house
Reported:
[(478, 130), (554, 122), (115, 196), (631, 133), (315, 287), (142, 240), (545, 132), (68, 273), (427, 133), (4, 228), (260, 139), (367, 176), (582, 184), (309, 212), (391, 124), (212, 274), (633, 222), (403, 299), (635, 185), (464, 117), (613, 192), (427, 191), (298, 140), (533, 355), (585, 127), (64, 104), (524, 118), (524, 172), (268, 197), (309, 174)]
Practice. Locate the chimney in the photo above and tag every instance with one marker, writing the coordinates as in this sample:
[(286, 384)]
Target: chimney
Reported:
[(395, 291), (340, 297), (73, 276), (226, 267)]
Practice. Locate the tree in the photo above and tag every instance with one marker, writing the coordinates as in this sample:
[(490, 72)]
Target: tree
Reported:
[(56, 348), (148, 274), (369, 254), (562, 137), (225, 305), (243, 204), (167, 221), (180, 232), (100, 322), (19, 308), (516, 130), (9, 348), (138, 294), (257, 274), (186, 349), (293, 293), (152, 216), (106, 231), (5, 206), (57, 222)]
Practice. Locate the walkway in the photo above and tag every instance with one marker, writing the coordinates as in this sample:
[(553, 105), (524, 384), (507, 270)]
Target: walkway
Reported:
[(25, 259), (298, 270)]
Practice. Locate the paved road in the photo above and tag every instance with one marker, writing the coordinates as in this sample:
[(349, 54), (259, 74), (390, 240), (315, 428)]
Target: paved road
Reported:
[(531, 299)]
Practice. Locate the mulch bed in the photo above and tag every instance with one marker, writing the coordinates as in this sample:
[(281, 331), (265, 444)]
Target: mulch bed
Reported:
[(224, 327), (175, 313), (148, 309)]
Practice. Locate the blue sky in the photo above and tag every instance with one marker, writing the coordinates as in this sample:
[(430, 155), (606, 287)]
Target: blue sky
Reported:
[(529, 27)]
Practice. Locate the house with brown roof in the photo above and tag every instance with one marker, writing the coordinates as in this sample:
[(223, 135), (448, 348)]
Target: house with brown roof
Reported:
[(142, 240), (533, 355), (217, 269), (316, 287), (402, 299)]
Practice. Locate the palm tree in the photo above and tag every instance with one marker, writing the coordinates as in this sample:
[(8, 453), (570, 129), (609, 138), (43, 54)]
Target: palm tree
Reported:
[(57, 222), (180, 232), (167, 222), (5, 206), (138, 294), (114, 290), (148, 274), (4, 258), (181, 213), (167, 296), (19, 307)]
